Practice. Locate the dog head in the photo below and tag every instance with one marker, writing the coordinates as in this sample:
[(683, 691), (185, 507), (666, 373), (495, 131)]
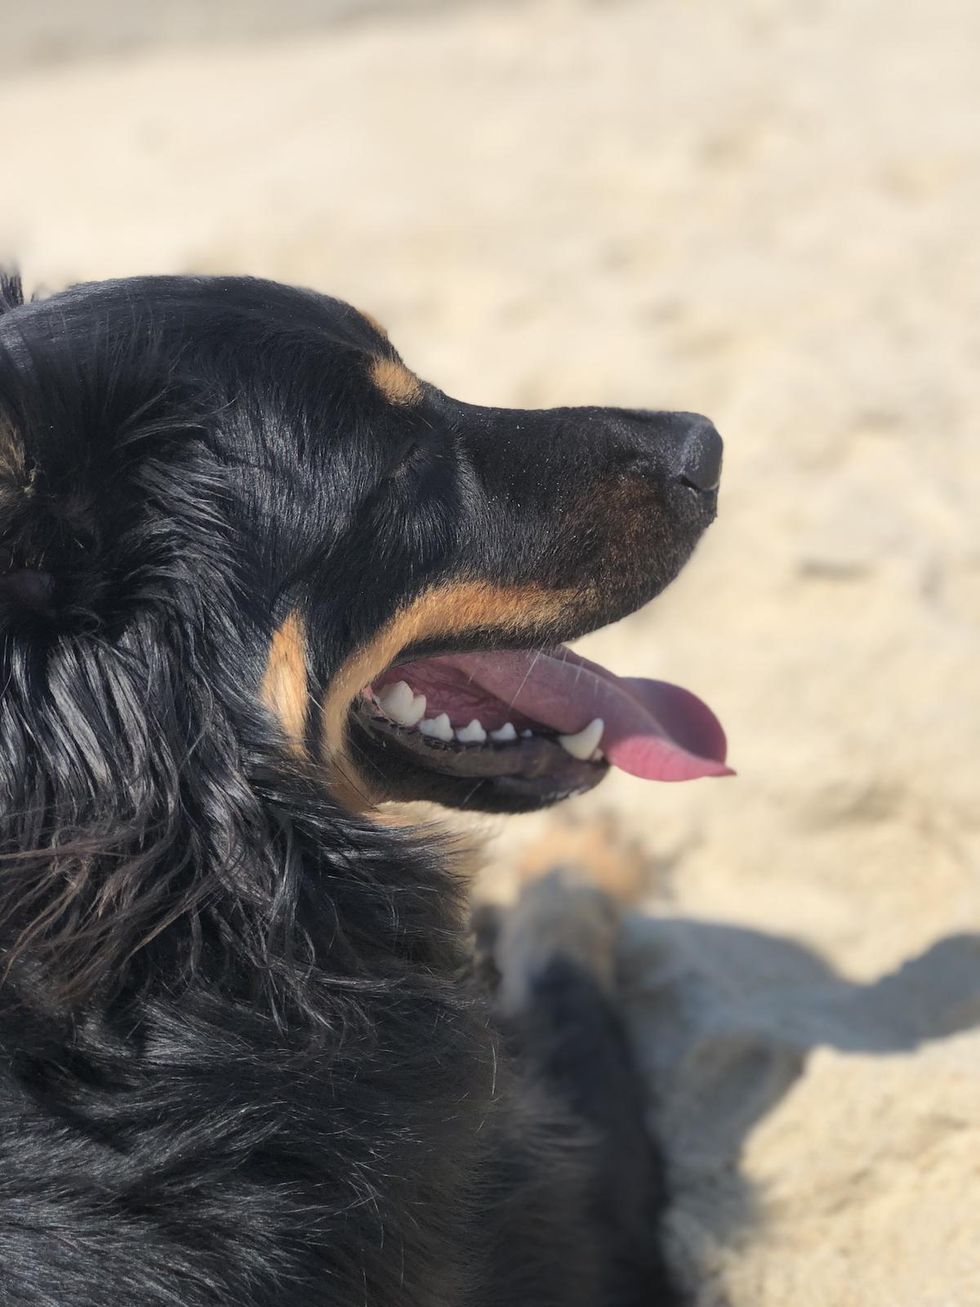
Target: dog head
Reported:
[(251, 474), (255, 574)]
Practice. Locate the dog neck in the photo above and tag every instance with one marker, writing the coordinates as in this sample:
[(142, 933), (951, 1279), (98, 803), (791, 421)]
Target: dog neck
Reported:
[(158, 835)]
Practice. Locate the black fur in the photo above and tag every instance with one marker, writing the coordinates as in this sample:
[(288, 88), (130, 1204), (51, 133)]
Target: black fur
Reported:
[(239, 1063)]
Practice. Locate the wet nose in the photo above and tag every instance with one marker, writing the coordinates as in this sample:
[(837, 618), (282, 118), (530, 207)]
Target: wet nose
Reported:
[(699, 460)]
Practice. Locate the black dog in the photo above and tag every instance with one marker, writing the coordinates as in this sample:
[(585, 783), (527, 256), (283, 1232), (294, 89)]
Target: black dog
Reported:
[(239, 1059)]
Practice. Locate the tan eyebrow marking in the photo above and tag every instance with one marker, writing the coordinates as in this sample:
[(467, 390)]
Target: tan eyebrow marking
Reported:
[(395, 381)]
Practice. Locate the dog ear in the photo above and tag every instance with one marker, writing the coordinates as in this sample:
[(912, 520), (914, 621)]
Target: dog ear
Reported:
[(11, 289), (94, 434)]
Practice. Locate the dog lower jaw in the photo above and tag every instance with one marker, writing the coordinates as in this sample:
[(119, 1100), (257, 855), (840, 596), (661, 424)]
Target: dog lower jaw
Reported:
[(520, 775)]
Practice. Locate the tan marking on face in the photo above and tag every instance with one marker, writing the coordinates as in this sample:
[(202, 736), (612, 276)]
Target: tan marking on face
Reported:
[(396, 383), (285, 688), (372, 321), (445, 610)]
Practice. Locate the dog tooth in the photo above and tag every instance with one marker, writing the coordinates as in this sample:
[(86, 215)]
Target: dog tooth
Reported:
[(418, 710), (504, 734), (439, 728), (472, 734), (597, 756), (526, 735), (581, 744), (397, 700)]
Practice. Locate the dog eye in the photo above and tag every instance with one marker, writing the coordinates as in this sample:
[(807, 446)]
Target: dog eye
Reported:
[(409, 456)]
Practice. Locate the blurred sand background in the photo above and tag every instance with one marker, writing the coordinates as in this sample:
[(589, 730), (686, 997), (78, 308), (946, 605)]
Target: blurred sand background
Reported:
[(766, 210)]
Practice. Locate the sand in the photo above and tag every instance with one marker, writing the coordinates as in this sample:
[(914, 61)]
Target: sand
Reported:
[(764, 211)]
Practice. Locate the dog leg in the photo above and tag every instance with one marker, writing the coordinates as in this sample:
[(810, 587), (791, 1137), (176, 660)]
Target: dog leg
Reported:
[(554, 955)]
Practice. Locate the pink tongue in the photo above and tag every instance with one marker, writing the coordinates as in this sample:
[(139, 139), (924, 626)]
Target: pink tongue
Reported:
[(651, 729)]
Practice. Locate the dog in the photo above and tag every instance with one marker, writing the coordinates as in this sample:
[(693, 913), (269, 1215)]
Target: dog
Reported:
[(256, 578)]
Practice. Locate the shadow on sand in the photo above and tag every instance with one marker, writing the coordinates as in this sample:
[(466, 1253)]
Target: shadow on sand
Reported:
[(723, 1019)]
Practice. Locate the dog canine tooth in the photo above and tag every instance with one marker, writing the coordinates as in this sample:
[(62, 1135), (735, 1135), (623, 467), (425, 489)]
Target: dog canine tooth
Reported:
[(472, 734), (439, 728), (582, 744), (401, 705), (504, 734)]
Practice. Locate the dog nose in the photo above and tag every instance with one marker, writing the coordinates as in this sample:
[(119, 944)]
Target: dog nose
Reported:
[(699, 463)]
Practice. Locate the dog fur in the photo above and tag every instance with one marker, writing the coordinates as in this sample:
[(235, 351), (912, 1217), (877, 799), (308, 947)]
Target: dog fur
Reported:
[(242, 1060)]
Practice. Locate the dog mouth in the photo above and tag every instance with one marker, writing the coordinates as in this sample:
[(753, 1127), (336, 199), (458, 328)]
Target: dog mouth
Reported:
[(520, 729)]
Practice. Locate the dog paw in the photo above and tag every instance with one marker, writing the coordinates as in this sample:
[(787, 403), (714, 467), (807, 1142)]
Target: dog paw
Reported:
[(557, 916)]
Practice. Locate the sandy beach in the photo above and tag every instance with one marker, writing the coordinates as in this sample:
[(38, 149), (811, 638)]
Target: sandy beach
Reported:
[(764, 211)]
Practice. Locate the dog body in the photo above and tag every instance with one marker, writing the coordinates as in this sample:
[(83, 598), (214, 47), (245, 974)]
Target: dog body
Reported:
[(240, 1061)]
